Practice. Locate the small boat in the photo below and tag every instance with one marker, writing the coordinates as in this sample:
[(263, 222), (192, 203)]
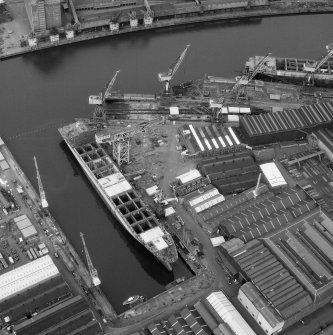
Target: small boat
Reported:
[(134, 299), (175, 282)]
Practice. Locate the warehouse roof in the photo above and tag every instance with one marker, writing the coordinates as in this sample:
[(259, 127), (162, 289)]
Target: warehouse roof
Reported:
[(272, 278), (273, 174), (188, 176), (229, 314), (261, 304), (27, 275)]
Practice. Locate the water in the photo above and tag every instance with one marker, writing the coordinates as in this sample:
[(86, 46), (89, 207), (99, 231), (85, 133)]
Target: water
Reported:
[(40, 92)]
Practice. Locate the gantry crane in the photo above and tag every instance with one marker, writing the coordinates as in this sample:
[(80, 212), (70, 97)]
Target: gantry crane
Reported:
[(167, 76), (311, 69), (40, 187), (93, 272)]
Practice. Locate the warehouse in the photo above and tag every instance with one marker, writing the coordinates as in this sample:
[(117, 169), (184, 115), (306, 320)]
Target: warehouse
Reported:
[(209, 138), (286, 125), (261, 215), (325, 141), (213, 315), (231, 173), (26, 276)]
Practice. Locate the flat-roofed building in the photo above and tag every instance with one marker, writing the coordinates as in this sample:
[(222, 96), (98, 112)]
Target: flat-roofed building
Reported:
[(26, 276)]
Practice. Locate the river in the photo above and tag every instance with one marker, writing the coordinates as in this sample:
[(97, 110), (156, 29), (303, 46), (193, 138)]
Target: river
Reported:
[(41, 91)]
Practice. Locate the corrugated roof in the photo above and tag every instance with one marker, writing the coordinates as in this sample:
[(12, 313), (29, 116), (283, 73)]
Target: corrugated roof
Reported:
[(228, 313), (27, 275)]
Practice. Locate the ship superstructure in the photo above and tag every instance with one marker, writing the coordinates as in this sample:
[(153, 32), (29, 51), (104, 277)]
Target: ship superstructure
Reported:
[(117, 193)]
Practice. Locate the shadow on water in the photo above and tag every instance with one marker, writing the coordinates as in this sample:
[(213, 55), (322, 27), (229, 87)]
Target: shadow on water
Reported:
[(148, 263)]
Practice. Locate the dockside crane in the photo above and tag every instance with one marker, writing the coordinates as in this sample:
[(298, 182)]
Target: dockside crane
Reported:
[(93, 272), (98, 100), (40, 187), (167, 76), (311, 69), (246, 79), (148, 15)]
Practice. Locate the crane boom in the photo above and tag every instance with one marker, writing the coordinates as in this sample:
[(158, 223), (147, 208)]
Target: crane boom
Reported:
[(167, 76), (109, 88), (244, 80), (93, 272), (40, 187), (316, 65)]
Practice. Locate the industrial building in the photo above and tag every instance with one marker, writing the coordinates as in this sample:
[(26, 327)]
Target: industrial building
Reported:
[(213, 315), (43, 14), (286, 125), (262, 214), (231, 173), (25, 226), (290, 269), (325, 141), (209, 138), (35, 299)]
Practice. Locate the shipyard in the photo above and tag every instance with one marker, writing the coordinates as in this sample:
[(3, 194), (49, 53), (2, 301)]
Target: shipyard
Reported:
[(222, 185)]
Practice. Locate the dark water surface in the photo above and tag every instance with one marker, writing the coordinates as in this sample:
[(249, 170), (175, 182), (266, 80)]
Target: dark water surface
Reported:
[(40, 92)]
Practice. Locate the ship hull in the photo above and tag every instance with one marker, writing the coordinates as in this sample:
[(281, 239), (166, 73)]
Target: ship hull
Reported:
[(110, 205)]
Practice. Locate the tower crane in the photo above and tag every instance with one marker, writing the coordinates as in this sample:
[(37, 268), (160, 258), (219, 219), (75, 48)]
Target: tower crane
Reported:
[(311, 69), (93, 272), (167, 76), (40, 187), (99, 99)]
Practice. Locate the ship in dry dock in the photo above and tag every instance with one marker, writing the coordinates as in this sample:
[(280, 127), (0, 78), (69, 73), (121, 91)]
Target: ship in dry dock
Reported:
[(304, 71), (117, 193)]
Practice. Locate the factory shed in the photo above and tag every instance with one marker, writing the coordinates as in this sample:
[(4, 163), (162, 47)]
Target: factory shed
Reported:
[(266, 316), (286, 125), (16, 307), (229, 314), (325, 141), (189, 176), (25, 226), (273, 174), (26, 276), (67, 317), (272, 278)]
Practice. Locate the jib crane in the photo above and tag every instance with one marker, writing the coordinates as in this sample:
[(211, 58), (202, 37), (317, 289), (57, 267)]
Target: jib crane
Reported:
[(93, 272), (311, 69), (245, 79), (148, 14), (99, 99), (167, 76), (40, 187)]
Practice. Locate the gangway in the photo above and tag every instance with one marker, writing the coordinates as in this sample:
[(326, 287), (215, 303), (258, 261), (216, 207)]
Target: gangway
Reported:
[(93, 272), (40, 187)]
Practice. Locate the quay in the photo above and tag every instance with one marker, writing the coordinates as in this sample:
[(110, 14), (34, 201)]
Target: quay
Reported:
[(72, 266), (280, 8)]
